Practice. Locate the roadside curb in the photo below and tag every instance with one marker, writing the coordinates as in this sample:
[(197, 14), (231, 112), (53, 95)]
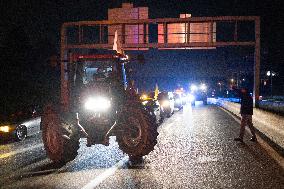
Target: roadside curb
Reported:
[(272, 144)]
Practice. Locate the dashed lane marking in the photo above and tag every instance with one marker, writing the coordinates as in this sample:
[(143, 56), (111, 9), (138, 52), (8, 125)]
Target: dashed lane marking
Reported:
[(107, 173)]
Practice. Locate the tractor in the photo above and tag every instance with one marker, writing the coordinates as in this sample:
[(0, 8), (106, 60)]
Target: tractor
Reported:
[(96, 103)]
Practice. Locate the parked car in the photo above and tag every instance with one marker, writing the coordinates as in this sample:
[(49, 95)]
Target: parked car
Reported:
[(167, 104), (19, 125)]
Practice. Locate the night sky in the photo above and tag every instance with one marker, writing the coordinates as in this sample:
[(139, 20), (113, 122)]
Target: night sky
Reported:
[(29, 36)]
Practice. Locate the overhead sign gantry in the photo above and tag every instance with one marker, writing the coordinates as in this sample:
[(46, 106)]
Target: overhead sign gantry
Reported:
[(97, 35)]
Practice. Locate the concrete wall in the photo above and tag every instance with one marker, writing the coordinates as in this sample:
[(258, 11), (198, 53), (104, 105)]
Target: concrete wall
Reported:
[(274, 106)]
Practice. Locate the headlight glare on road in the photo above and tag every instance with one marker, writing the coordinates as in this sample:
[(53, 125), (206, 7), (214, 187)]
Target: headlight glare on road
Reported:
[(5, 129), (97, 104)]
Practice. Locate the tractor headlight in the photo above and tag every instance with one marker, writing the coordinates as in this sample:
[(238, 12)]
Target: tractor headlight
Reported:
[(5, 129), (97, 104)]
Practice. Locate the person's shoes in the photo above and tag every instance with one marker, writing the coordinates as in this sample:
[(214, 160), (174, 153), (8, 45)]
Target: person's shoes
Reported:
[(238, 139), (253, 139)]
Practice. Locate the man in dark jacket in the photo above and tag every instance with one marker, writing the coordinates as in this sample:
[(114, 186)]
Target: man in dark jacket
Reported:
[(246, 113)]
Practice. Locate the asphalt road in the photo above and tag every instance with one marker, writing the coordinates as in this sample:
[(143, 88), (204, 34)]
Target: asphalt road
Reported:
[(195, 150)]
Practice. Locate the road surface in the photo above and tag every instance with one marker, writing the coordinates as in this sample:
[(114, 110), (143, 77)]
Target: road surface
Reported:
[(195, 150)]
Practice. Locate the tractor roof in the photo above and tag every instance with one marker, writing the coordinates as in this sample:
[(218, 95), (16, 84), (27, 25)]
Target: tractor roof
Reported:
[(86, 57)]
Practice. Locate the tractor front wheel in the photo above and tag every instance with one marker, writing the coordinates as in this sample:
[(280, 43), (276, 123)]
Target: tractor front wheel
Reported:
[(139, 135), (61, 141)]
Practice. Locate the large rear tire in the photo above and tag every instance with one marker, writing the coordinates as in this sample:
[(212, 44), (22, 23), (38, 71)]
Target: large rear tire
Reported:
[(20, 133), (139, 134), (61, 140)]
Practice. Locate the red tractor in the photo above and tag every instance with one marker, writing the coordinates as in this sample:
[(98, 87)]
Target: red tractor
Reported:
[(96, 102)]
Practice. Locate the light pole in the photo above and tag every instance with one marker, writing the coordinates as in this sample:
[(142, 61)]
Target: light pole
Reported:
[(232, 82)]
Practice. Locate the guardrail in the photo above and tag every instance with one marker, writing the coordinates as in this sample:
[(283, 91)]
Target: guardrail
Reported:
[(269, 105), (274, 106), (268, 124)]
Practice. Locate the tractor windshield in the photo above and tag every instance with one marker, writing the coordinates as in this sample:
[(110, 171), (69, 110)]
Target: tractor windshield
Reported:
[(89, 72), (96, 71)]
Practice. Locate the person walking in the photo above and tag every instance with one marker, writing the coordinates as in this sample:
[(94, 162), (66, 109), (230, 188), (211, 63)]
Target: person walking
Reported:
[(246, 112)]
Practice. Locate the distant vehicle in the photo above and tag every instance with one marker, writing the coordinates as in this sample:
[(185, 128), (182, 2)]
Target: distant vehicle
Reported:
[(152, 105), (180, 98), (178, 101), (198, 93), (19, 125), (167, 104)]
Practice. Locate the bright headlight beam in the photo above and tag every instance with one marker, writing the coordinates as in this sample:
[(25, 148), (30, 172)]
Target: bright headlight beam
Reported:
[(97, 104)]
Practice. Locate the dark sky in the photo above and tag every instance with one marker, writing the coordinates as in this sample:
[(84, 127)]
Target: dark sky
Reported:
[(31, 29)]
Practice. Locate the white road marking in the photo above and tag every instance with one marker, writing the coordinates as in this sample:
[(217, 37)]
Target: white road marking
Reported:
[(107, 173), (12, 153), (271, 152)]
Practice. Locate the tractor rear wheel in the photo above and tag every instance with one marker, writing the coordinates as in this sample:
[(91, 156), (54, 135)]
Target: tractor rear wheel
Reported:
[(139, 135), (61, 140)]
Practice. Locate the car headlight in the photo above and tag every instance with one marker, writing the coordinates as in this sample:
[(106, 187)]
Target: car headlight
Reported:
[(193, 87), (178, 100), (5, 129), (203, 87), (165, 103), (144, 97), (191, 97), (97, 104), (144, 102)]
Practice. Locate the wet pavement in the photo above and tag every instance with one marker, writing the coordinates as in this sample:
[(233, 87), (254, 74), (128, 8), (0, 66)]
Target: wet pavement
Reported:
[(195, 150)]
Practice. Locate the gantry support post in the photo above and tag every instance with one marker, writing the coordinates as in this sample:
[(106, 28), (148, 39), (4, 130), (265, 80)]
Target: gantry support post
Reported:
[(257, 62)]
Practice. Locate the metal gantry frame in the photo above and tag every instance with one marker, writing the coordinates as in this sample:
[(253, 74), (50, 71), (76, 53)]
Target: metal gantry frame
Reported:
[(65, 46)]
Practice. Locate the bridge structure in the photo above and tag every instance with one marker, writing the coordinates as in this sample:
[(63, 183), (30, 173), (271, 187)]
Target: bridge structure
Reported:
[(85, 35)]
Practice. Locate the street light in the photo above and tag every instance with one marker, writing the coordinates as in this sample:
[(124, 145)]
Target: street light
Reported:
[(270, 74), (220, 86)]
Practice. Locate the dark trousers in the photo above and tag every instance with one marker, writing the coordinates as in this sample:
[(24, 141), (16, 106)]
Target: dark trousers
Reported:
[(246, 120)]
